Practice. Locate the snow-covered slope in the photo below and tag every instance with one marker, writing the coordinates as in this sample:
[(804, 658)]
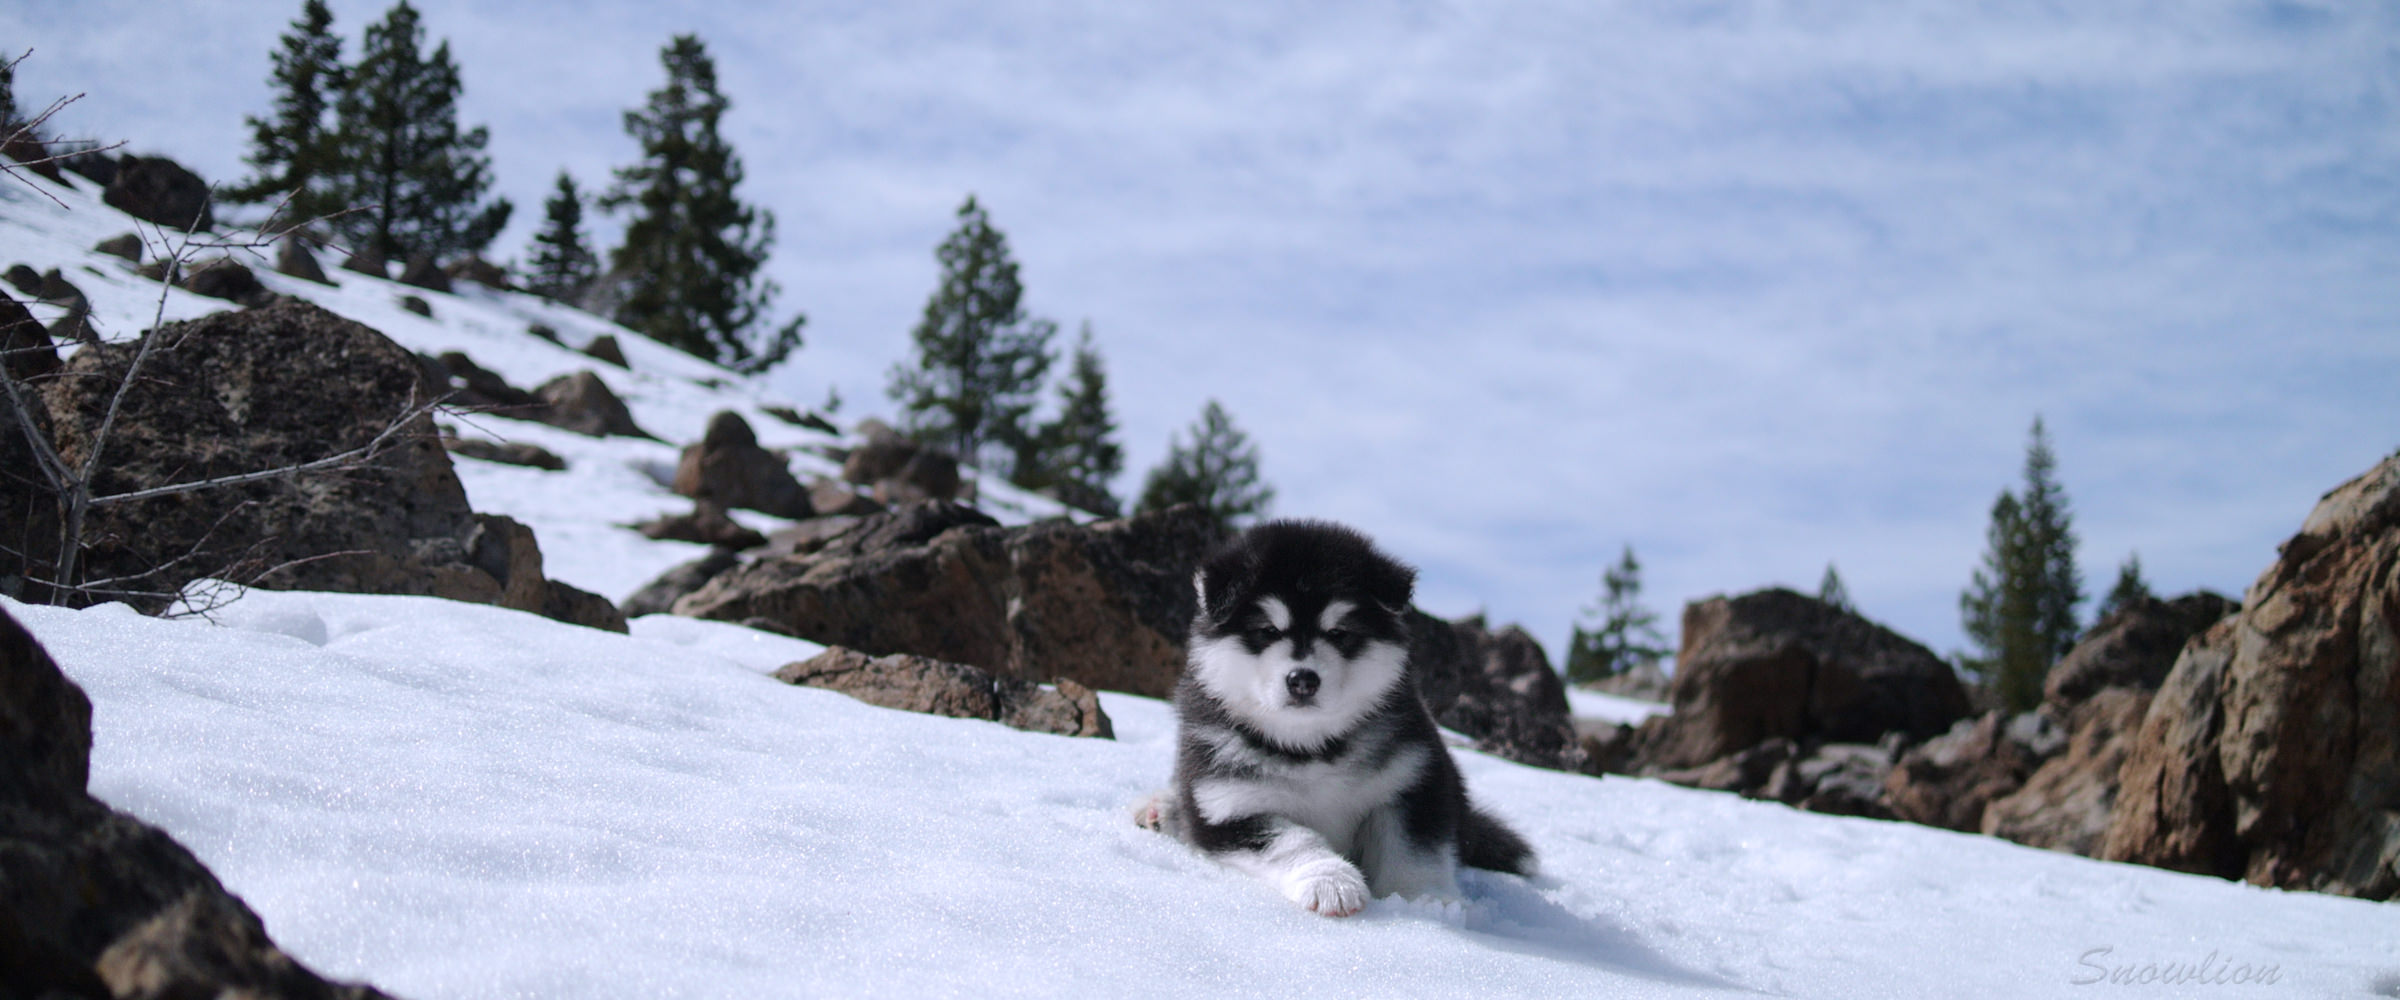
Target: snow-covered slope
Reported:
[(459, 801), (580, 515)]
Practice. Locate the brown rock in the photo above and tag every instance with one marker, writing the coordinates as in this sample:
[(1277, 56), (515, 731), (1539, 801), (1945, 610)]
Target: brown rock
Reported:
[(1496, 687), (2065, 804), (831, 497), (295, 259), (582, 403), (93, 902), (604, 348), (2133, 647), (707, 524), (367, 260), (1778, 664), (2296, 704), (900, 470), (228, 279), (658, 597), (417, 304), (729, 467), (157, 189), (506, 452), (126, 245), (26, 350), (475, 387), (423, 273), (920, 684), (480, 271), (1949, 781), (20, 145)]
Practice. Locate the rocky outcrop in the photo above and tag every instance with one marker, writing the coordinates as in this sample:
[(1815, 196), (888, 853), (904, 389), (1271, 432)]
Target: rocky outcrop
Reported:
[(96, 903), (2131, 648), (241, 392), (658, 597), (1495, 686), (899, 470), (159, 190), (2065, 803), (919, 684), (1106, 605), (728, 467), (580, 402), (1775, 663), (2272, 752), (1950, 780)]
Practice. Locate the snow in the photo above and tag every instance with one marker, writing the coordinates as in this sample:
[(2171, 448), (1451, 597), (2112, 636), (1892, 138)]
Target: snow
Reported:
[(1612, 707), (452, 800)]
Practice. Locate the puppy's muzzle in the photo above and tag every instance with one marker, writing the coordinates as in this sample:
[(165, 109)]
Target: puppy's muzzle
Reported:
[(1302, 683)]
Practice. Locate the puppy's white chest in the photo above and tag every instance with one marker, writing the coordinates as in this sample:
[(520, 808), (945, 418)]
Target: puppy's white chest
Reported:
[(1333, 798)]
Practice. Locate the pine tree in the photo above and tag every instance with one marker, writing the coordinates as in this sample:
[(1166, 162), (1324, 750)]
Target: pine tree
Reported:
[(980, 358), (293, 152), (415, 180), (1075, 456), (1218, 471), (2130, 589), (562, 265), (2019, 608), (689, 267), (1831, 591), (1623, 633)]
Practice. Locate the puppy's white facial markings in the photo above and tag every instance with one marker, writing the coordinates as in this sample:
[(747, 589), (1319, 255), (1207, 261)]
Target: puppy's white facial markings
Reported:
[(1277, 613), (1331, 617)]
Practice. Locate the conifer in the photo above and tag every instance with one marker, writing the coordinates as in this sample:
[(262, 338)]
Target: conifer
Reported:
[(414, 180), (1218, 470), (980, 358), (293, 152)]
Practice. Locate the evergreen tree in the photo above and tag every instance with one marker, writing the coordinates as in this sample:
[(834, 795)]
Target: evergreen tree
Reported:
[(1831, 591), (689, 267), (2130, 589), (293, 152), (2019, 607), (1623, 632), (400, 160), (562, 265), (980, 358), (1076, 455), (1218, 471)]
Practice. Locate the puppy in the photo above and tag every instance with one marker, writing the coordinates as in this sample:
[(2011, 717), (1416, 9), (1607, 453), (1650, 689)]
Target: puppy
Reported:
[(1304, 755)]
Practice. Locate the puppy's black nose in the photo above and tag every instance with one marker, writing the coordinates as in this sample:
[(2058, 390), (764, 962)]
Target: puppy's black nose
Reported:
[(1302, 683)]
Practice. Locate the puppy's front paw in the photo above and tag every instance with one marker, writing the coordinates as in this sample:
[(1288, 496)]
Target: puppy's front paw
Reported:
[(1155, 812), (1333, 893)]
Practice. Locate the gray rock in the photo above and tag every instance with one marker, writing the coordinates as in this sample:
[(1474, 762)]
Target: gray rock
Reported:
[(580, 402), (294, 258), (919, 684), (126, 245), (729, 468), (228, 279), (422, 272), (604, 348), (157, 189)]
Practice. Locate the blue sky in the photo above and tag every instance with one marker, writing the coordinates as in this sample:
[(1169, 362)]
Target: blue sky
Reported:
[(1752, 287)]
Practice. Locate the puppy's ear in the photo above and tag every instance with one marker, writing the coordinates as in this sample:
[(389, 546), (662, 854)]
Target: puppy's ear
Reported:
[(1394, 586)]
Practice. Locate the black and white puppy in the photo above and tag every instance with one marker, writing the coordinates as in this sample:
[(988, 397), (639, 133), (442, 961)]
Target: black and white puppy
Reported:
[(1305, 755)]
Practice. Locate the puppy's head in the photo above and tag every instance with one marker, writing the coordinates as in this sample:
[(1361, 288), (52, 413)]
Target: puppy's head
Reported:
[(1301, 630)]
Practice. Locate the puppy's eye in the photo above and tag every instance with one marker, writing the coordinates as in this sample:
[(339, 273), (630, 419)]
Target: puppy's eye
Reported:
[(1338, 634)]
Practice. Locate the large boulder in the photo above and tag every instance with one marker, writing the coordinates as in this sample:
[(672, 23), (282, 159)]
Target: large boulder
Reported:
[(1496, 686), (157, 189), (728, 467), (1775, 663), (2064, 804), (1106, 605), (2272, 752), (260, 389), (96, 903), (2131, 648), (918, 684)]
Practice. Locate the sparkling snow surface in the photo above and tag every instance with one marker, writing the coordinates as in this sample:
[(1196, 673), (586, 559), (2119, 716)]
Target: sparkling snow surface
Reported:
[(452, 800)]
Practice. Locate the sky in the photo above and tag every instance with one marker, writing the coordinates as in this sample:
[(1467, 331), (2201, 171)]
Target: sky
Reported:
[(1750, 287)]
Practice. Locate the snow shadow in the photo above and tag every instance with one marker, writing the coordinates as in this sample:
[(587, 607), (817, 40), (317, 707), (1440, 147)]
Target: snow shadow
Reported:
[(1512, 914)]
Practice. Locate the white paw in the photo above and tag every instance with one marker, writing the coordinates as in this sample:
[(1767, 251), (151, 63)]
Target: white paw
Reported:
[(1337, 893), (1152, 811)]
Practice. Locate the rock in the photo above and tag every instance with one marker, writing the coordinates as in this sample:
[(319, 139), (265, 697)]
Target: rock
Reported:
[(98, 167), (2272, 751), (544, 331), (1642, 682), (900, 470), (580, 402), (1950, 780), (159, 190), (93, 902), (1841, 779), (729, 468), (76, 323), (55, 288), (2065, 804), (1496, 687), (295, 259), (659, 596), (576, 606), (530, 455), (1778, 664), (20, 145), (478, 270), (423, 273), (475, 387), (604, 348), (707, 524), (228, 279), (26, 280), (417, 305), (919, 684), (1744, 771), (1608, 747), (831, 497), (266, 388), (26, 350), (126, 245), (1106, 604), (367, 260), (2133, 647), (809, 536)]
